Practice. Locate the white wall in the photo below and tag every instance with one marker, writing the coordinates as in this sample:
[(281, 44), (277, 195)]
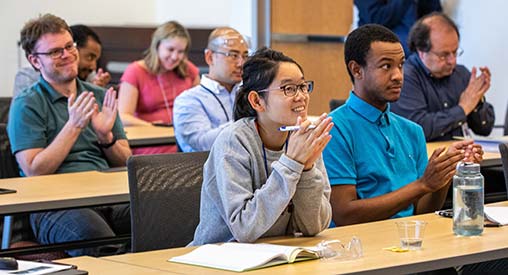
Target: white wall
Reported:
[(191, 13), (483, 31), (481, 24)]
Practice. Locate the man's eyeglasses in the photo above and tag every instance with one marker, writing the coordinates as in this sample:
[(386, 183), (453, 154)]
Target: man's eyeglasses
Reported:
[(58, 52), (291, 90), (235, 56), (446, 55)]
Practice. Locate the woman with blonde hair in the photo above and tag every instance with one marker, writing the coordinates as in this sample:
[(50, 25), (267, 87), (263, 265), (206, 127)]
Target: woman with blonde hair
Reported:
[(149, 86)]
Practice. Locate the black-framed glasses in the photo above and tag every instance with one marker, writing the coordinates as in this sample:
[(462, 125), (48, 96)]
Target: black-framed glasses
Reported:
[(445, 55), (235, 56), (58, 52), (292, 90)]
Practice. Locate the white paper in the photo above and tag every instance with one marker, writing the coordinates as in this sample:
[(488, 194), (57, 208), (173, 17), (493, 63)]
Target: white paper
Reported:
[(497, 214), (34, 268)]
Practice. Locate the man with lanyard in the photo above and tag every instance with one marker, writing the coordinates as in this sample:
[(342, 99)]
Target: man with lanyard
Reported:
[(201, 112)]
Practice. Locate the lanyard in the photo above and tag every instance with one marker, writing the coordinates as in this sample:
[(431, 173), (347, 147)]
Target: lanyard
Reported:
[(290, 205), (216, 98)]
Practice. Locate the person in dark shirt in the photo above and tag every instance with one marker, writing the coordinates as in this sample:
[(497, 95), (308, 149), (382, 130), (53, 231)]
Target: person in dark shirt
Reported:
[(440, 95), (397, 15)]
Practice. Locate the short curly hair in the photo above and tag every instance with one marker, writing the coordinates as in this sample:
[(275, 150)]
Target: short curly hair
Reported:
[(37, 27), (359, 41)]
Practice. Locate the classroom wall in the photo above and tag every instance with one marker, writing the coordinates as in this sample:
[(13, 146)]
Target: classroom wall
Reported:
[(480, 23), (483, 38)]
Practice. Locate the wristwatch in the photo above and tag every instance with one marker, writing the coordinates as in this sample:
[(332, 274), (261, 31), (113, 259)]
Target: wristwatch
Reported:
[(107, 145)]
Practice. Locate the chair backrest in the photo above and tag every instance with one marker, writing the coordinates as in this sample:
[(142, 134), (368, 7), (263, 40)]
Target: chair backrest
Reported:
[(8, 164), (505, 127), (336, 103), (5, 105), (21, 230), (165, 198), (503, 149)]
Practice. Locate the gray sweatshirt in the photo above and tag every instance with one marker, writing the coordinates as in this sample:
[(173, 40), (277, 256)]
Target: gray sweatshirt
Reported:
[(241, 202)]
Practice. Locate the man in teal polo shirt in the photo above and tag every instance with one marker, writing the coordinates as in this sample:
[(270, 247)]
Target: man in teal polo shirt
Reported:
[(62, 124), (376, 160)]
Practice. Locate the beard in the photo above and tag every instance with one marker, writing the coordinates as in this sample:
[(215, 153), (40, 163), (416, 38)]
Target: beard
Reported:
[(59, 75)]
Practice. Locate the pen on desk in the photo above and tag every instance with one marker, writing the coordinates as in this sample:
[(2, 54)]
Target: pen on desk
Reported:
[(493, 225), (294, 128)]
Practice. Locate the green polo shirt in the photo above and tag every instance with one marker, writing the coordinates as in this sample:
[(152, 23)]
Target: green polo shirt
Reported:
[(39, 113)]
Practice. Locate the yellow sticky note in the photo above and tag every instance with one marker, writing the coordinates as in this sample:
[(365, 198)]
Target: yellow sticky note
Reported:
[(396, 249)]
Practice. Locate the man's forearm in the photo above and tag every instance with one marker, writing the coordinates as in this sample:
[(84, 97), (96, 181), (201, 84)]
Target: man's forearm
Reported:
[(118, 153), (432, 201), (49, 159)]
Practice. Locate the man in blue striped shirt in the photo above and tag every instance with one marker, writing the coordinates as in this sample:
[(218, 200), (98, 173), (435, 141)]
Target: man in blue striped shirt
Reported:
[(201, 112)]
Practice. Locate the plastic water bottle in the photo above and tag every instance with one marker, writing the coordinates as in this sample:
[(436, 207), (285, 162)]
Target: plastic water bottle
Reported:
[(468, 200)]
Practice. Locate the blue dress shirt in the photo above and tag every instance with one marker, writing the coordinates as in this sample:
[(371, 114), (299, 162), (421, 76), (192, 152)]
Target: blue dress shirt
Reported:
[(201, 113), (433, 102), (379, 152)]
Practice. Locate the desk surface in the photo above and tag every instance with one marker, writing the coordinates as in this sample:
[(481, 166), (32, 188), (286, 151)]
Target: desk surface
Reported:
[(440, 249), (140, 136), (63, 191), (489, 158), (100, 266)]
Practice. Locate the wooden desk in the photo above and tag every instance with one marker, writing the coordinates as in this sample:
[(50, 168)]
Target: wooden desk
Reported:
[(60, 191), (489, 158), (141, 136), (100, 266), (63, 191), (440, 249)]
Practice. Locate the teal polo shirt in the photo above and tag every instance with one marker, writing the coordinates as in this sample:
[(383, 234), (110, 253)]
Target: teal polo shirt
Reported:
[(39, 113), (379, 152)]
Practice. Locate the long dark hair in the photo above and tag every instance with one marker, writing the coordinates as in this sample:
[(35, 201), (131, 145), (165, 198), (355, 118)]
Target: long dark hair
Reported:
[(259, 71)]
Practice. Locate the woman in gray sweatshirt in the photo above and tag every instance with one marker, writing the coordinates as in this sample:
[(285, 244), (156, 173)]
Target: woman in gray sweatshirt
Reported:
[(260, 181)]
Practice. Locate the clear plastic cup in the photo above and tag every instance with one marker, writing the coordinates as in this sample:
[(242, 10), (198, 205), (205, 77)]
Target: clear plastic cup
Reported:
[(411, 234)]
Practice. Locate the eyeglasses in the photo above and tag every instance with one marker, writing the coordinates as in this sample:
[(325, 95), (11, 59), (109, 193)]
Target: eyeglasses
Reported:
[(291, 90), (58, 52), (235, 56), (446, 55)]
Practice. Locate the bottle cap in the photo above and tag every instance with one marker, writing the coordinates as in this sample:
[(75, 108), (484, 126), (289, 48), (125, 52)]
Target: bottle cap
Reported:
[(468, 168)]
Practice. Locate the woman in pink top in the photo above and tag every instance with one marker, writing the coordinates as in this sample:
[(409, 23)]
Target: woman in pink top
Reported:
[(149, 86)]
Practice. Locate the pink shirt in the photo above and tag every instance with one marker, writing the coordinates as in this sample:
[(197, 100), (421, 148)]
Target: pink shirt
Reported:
[(151, 105)]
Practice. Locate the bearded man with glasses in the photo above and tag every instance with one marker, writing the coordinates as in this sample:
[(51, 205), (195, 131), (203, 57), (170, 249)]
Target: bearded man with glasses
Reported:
[(445, 98), (62, 124), (201, 112)]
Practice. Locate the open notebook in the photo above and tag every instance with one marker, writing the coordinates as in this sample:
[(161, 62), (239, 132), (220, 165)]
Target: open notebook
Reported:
[(242, 257)]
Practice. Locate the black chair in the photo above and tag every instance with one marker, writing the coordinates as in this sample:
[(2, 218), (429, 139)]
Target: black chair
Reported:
[(5, 105), (503, 149), (21, 230), (336, 103), (165, 195), (8, 164)]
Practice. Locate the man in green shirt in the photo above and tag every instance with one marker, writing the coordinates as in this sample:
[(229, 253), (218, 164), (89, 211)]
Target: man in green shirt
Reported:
[(62, 124)]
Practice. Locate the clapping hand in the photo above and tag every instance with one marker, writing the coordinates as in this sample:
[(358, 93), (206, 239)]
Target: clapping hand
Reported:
[(306, 145), (80, 109), (472, 152), (101, 78), (475, 90), (103, 120)]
